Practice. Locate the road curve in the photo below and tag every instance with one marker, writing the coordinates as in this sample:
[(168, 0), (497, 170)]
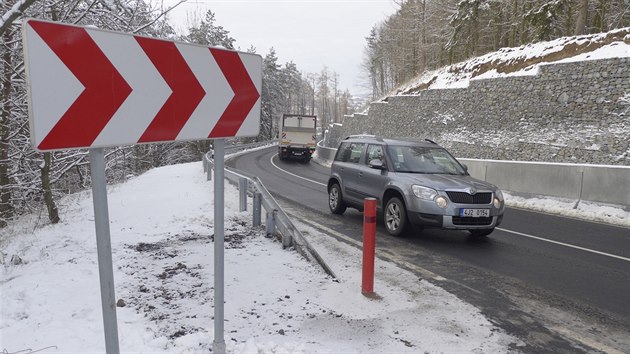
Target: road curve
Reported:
[(558, 283)]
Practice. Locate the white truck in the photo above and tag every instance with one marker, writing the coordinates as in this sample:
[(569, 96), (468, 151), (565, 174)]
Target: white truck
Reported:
[(298, 137)]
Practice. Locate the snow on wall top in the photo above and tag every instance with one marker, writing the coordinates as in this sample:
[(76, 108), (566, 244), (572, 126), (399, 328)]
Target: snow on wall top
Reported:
[(524, 60)]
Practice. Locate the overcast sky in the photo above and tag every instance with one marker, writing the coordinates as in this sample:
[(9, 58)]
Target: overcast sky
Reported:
[(311, 33)]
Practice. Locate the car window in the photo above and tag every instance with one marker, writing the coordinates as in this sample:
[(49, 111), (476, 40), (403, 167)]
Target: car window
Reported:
[(349, 152), (374, 152), (355, 152), (343, 153)]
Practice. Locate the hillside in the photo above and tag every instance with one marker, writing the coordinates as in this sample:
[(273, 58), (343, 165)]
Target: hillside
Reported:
[(513, 105), (523, 60)]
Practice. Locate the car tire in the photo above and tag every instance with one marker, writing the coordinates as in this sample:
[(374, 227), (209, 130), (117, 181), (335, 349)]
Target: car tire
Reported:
[(480, 233), (395, 217), (335, 200)]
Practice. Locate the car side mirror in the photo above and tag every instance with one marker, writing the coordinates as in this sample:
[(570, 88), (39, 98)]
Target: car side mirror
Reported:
[(465, 167), (376, 164)]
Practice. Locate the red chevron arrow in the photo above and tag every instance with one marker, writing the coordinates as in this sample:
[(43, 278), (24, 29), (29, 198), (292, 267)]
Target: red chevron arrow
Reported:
[(98, 96), (105, 89), (186, 95), (245, 93)]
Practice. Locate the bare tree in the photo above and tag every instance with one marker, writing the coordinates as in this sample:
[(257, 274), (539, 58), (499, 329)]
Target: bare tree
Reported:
[(580, 22), (6, 209), (12, 13), (29, 179)]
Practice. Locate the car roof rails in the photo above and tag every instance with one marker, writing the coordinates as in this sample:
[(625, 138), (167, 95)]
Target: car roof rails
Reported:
[(363, 136), (416, 140)]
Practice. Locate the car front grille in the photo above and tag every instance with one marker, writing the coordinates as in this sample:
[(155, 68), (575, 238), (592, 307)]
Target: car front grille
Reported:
[(458, 220), (465, 198)]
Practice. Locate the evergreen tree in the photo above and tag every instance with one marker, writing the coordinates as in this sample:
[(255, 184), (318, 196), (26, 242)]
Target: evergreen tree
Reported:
[(271, 95), (207, 32)]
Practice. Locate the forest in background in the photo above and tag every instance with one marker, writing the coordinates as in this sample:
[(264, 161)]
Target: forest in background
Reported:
[(424, 35), (421, 35), (32, 182)]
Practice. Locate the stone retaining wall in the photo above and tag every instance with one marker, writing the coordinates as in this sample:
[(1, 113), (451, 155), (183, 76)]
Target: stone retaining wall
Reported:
[(570, 112)]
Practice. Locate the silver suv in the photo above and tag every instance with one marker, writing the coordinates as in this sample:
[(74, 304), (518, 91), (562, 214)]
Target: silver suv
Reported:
[(415, 182)]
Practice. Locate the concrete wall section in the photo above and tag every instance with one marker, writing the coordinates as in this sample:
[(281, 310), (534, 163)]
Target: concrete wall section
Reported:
[(607, 185), (556, 180), (552, 180), (603, 184), (476, 168), (325, 153)]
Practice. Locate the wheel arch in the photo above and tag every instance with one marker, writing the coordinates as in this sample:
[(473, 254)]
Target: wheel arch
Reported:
[(333, 180), (393, 192)]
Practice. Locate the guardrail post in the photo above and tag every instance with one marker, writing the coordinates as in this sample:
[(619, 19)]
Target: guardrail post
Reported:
[(242, 194), (257, 209), (203, 162), (209, 171), (271, 223), (287, 237), (369, 241)]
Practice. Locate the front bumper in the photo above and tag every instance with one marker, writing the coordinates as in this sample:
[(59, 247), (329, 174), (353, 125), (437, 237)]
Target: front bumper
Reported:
[(454, 222), (426, 213)]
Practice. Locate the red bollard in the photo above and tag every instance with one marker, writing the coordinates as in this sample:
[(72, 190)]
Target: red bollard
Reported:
[(369, 241)]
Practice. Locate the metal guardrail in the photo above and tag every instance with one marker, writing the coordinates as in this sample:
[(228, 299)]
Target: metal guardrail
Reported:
[(277, 221), (231, 149)]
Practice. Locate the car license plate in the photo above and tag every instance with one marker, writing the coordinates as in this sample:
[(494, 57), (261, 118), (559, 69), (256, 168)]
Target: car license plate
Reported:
[(474, 213)]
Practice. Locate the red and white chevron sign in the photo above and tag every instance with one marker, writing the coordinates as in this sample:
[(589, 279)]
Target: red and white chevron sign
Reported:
[(94, 88)]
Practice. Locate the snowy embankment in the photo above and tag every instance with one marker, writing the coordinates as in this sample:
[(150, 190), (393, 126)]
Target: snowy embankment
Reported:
[(584, 210), (276, 302), (523, 60)]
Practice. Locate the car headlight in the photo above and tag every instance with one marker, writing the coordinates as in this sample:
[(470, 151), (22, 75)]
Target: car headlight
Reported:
[(498, 199), (441, 201), (424, 192)]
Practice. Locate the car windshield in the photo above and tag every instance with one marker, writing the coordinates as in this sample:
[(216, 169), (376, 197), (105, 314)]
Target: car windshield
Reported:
[(418, 159)]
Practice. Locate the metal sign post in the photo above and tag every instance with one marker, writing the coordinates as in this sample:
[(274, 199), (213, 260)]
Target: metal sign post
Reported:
[(104, 249), (218, 346)]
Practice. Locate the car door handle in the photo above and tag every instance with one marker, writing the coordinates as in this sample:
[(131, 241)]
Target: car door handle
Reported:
[(360, 174)]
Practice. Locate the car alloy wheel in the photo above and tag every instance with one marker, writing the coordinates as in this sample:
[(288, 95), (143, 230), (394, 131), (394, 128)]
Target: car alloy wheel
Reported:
[(335, 202), (395, 217)]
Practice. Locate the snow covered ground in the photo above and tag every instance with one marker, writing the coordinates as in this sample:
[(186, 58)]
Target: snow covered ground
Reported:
[(607, 214), (276, 302)]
